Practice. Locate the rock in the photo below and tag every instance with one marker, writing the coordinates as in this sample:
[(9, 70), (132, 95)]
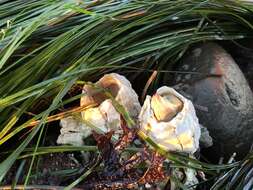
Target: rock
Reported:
[(205, 140), (243, 56), (218, 85)]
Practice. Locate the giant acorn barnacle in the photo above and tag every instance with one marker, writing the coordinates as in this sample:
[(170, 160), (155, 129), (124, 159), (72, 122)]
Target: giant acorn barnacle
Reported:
[(169, 119)]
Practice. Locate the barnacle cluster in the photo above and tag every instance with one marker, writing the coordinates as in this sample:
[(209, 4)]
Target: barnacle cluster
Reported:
[(167, 117)]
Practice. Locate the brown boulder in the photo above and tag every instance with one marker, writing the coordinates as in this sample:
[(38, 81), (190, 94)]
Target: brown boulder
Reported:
[(218, 84)]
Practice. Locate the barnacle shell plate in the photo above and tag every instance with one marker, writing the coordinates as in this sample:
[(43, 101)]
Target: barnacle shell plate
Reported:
[(181, 133)]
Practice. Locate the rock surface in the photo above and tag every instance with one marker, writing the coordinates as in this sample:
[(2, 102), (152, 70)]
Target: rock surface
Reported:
[(218, 85), (243, 56), (205, 140)]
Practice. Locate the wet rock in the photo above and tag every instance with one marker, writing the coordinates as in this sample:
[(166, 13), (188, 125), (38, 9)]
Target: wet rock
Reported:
[(216, 84)]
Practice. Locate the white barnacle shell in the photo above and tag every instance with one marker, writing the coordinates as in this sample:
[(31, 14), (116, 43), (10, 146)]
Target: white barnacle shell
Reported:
[(73, 131), (120, 88), (105, 115), (169, 119), (101, 115), (103, 118)]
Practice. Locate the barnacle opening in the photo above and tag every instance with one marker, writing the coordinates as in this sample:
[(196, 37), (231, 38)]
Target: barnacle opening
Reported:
[(166, 106), (96, 96)]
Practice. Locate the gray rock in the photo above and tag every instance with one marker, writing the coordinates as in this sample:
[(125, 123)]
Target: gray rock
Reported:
[(218, 85), (205, 140)]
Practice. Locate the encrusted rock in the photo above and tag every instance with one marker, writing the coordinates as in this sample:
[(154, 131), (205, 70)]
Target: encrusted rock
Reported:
[(219, 86), (169, 120)]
